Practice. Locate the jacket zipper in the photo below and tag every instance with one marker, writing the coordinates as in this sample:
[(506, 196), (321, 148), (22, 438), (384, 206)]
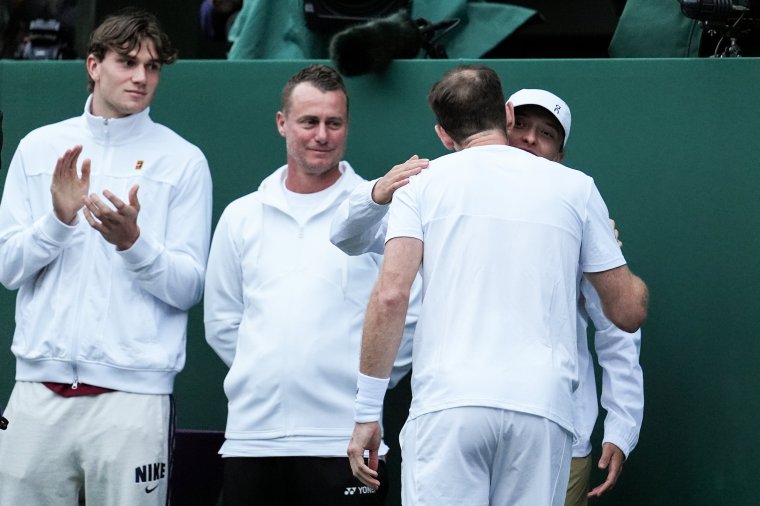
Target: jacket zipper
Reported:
[(84, 280)]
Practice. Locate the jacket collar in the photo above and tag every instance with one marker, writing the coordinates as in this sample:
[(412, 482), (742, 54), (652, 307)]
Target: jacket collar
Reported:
[(272, 192), (116, 130)]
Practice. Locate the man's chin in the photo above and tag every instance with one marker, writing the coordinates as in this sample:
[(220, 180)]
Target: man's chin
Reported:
[(129, 109), (135, 106), (322, 167)]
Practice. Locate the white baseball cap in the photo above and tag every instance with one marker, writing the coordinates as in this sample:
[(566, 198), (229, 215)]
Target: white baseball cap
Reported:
[(548, 101)]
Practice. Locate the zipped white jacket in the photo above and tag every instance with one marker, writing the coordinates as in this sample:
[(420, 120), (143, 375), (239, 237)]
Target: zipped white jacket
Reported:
[(84, 311), (284, 309)]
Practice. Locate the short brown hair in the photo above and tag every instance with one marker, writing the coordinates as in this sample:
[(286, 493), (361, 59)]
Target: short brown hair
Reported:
[(468, 99), (125, 30), (320, 76)]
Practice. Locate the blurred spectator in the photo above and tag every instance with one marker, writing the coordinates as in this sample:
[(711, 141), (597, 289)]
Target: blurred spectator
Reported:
[(217, 17), (51, 38)]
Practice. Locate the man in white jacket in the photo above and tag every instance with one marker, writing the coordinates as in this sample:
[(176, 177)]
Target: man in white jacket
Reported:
[(284, 310), (105, 279), (542, 126)]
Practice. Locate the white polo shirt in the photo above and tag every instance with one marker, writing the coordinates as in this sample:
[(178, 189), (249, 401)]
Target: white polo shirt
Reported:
[(504, 232)]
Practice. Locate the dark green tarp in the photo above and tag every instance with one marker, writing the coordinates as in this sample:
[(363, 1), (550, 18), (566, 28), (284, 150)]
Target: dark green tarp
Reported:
[(276, 30)]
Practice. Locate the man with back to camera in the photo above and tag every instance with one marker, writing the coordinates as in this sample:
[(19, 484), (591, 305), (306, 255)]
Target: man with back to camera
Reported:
[(542, 126), (105, 279), (284, 310), (486, 299)]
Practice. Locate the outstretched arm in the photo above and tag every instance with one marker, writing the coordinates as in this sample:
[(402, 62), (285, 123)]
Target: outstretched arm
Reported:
[(360, 223)]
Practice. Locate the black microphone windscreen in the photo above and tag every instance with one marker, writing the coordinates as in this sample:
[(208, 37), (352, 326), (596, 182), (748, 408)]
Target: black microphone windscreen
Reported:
[(370, 47)]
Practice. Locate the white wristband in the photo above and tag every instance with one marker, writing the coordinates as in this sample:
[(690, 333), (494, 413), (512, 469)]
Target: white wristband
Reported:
[(370, 393)]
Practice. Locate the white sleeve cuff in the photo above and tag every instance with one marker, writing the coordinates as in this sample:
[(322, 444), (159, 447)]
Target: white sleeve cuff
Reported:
[(370, 393)]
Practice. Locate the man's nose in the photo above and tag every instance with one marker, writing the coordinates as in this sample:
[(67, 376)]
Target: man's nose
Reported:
[(321, 133), (139, 74)]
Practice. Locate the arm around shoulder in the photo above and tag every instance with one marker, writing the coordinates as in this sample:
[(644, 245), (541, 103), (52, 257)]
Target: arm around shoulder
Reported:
[(624, 296), (359, 224)]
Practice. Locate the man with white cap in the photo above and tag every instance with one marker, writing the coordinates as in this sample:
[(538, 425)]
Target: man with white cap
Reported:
[(542, 126), (542, 123)]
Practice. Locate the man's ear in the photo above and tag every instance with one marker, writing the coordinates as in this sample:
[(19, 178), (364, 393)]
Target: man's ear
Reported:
[(92, 64), (279, 119), (509, 109), (447, 141)]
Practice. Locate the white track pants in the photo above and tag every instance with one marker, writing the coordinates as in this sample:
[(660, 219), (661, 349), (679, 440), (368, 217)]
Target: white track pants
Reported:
[(110, 449)]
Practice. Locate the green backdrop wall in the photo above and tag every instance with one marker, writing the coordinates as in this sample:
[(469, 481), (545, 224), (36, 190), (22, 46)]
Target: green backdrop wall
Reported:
[(672, 145)]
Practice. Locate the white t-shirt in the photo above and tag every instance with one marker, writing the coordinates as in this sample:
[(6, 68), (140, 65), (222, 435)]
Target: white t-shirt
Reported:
[(504, 232)]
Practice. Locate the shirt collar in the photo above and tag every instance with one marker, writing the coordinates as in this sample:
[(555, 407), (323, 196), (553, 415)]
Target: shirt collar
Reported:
[(116, 130)]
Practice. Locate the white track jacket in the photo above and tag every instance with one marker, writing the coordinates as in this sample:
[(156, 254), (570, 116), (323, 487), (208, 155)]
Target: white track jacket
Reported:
[(284, 309), (84, 311), (617, 352)]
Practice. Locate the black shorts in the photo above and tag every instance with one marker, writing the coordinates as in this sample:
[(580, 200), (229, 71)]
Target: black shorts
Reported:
[(297, 481)]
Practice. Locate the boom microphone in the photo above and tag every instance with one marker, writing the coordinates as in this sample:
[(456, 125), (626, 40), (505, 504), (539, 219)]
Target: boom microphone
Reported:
[(372, 46)]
